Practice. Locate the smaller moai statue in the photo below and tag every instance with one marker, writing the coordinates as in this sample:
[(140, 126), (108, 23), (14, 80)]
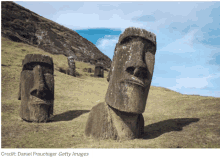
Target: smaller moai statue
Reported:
[(36, 88), (99, 70), (89, 70), (72, 68)]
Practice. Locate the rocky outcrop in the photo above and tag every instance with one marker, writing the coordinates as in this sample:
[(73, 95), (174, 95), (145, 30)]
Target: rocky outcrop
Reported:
[(22, 25)]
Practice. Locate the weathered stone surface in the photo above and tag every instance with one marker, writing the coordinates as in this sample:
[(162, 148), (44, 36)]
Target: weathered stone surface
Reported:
[(72, 67), (136, 32), (99, 70), (71, 72), (89, 70), (36, 89), (22, 25), (105, 122), (71, 62), (131, 71), (99, 124), (108, 77), (120, 117)]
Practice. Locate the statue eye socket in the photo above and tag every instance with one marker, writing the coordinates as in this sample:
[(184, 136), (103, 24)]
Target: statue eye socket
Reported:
[(29, 66), (46, 68), (126, 40)]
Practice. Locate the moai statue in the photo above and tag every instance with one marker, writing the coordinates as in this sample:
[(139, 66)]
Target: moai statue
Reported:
[(99, 71), (36, 89), (72, 68), (89, 70), (120, 116)]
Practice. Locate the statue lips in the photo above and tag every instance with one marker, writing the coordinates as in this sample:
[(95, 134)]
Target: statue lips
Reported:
[(37, 101), (135, 80)]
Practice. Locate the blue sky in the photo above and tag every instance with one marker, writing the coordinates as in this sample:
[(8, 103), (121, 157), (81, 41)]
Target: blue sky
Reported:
[(188, 36)]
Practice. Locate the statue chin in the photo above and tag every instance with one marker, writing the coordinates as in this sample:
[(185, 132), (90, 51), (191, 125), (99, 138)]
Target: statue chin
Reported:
[(132, 98)]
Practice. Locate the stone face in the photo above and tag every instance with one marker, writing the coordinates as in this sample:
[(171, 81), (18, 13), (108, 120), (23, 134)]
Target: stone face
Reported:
[(89, 70), (120, 116), (71, 62), (36, 89), (128, 125), (99, 70), (131, 71), (72, 67)]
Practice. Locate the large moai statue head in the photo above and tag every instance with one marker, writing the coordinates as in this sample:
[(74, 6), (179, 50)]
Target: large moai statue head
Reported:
[(99, 70), (36, 90), (131, 71)]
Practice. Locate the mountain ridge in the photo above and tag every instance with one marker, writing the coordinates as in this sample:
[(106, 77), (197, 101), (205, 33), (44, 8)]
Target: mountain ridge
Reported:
[(22, 25)]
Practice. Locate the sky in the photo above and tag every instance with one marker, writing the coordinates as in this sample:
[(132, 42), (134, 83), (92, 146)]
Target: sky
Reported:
[(187, 34)]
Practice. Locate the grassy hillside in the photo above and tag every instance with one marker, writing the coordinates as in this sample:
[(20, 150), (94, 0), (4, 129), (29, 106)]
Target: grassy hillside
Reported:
[(172, 120)]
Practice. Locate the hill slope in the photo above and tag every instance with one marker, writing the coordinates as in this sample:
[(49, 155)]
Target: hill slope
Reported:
[(172, 120), (22, 25)]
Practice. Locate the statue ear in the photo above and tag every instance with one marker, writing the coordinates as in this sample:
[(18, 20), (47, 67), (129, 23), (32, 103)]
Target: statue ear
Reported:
[(108, 78), (110, 72), (19, 92)]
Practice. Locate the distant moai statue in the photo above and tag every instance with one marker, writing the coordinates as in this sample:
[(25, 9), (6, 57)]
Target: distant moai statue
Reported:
[(120, 116), (72, 67), (89, 70), (99, 70), (36, 88)]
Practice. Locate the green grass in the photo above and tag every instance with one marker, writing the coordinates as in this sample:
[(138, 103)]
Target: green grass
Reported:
[(171, 119)]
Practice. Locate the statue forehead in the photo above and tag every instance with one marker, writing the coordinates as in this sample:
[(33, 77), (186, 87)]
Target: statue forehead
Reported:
[(99, 64), (70, 58), (37, 58), (136, 32)]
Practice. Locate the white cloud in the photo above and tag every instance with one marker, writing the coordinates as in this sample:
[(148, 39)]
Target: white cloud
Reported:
[(191, 71), (92, 20), (196, 79), (107, 41), (191, 83), (196, 82), (107, 44), (182, 45)]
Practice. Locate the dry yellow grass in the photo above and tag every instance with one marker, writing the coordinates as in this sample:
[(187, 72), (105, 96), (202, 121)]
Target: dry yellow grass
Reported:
[(172, 120)]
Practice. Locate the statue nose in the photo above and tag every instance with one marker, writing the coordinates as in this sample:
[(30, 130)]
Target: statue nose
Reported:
[(39, 89), (138, 69), (136, 65)]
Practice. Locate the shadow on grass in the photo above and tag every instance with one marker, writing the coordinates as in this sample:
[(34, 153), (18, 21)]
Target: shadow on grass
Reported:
[(156, 129), (68, 116)]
